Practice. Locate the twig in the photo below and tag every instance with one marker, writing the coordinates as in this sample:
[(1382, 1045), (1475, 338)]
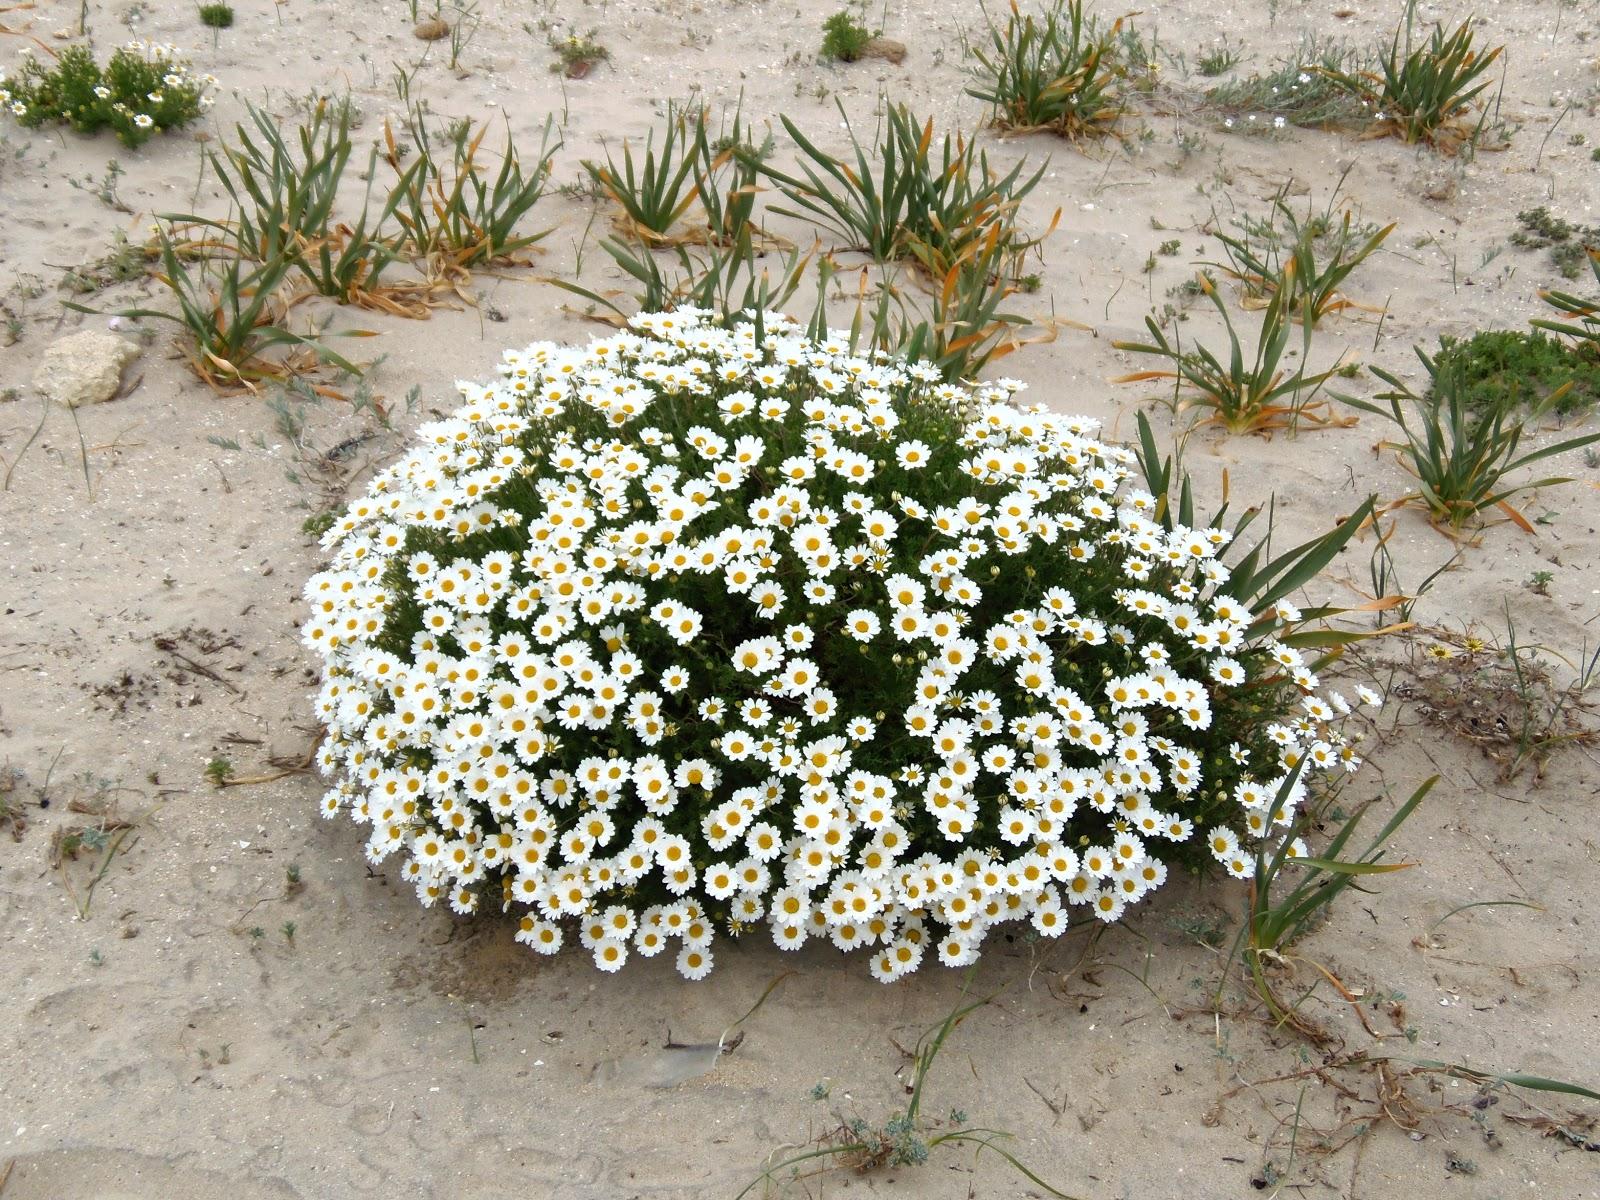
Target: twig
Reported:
[(168, 646), (44, 415), (251, 780)]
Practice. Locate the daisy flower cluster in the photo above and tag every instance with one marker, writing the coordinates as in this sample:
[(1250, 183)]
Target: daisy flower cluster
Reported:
[(146, 88), (701, 628)]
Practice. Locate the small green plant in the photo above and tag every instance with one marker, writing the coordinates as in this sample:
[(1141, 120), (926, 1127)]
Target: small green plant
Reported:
[(139, 93), (219, 771), (217, 16), (451, 209), (1583, 334), (1058, 72), (318, 523), (104, 189), (910, 204), (288, 931), (1323, 248), (1420, 91), (577, 54), (731, 278), (908, 1138), (1218, 60), (1460, 457), (1539, 582), (655, 192), (1258, 396), (1297, 91), (727, 175), (284, 200), (1291, 889), (1512, 370), (844, 37), (1539, 228), (961, 328), (235, 314), (124, 262)]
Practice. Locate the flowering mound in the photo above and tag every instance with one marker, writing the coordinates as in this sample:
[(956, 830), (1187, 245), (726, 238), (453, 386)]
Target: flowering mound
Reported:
[(145, 89), (701, 628)]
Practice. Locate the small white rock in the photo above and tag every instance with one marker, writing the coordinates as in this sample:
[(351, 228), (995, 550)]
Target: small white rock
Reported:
[(84, 368)]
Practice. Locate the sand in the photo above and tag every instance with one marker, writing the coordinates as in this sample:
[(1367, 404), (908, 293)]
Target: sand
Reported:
[(154, 1047)]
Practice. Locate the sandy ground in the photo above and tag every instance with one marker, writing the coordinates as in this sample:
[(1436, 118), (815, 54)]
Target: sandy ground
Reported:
[(155, 1047)]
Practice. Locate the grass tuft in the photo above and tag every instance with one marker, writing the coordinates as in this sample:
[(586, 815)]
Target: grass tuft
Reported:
[(1058, 72), (844, 37), (1421, 91), (1461, 457)]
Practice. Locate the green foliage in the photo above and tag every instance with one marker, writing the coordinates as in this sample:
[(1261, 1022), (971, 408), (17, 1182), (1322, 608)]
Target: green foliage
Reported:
[(844, 37), (726, 279), (727, 175), (1058, 71), (1323, 251), (451, 209), (1218, 60), (577, 54), (1509, 370), (1298, 91), (654, 193), (1290, 891), (1583, 333), (908, 1137), (284, 203), (1539, 228), (217, 16), (234, 315), (961, 328), (1461, 456), (909, 204), (1420, 91), (1257, 396), (138, 94)]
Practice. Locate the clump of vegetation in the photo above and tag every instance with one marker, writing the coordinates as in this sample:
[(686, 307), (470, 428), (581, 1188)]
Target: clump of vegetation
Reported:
[(1461, 456), (1584, 335), (1508, 698), (844, 37), (1059, 72), (1324, 247), (1421, 91), (142, 91), (1298, 91), (1254, 394), (1218, 60), (1569, 244), (237, 280), (217, 16), (577, 54), (688, 164), (125, 261), (1511, 370), (681, 708), (908, 1137), (1292, 892), (908, 204)]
